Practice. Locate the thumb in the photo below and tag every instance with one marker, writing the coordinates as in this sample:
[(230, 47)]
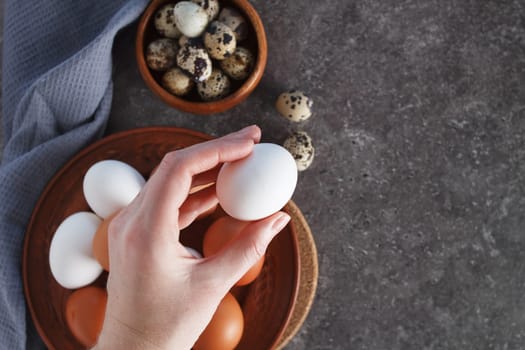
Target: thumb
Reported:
[(231, 263)]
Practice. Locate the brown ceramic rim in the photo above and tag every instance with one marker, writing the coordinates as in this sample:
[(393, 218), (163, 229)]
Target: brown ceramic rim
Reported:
[(309, 273), (205, 107), (297, 271), (290, 208)]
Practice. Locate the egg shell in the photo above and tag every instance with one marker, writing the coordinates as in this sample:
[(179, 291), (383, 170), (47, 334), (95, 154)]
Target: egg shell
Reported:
[(239, 65), (194, 60), (233, 19), (100, 244), (193, 252), (177, 82), (190, 18), (219, 40), (110, 185), (183, 40), (161, 54), (258, 185), (85, 311), (211, 7), (70, 254), (294, 105), (225, 329), (215, 87), (299, 144), (165, 22)]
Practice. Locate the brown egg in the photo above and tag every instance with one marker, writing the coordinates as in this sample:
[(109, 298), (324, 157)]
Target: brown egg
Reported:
[(100, 243), (219, 234), (85, 309), (225, 329)]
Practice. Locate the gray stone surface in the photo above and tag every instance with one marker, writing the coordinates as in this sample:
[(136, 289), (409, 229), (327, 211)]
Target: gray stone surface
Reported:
[(416, 197)]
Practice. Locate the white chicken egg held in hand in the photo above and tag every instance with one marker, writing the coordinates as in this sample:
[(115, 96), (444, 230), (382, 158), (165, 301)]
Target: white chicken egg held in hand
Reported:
[(259, 185), (110, 185), (70, 254)]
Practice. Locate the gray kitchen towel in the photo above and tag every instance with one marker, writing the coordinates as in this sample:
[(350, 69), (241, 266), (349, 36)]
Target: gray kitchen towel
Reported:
[(56, 94)]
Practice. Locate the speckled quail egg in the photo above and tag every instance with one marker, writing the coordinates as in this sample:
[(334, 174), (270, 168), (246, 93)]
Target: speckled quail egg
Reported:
[(239, 65), (161, 54), (165, 22), (194, 60), (233, 19), (183, 40), (294, 105), (299, 144), (177, 82), (190, 18), (219, 40), (215, 87), (210, 6)]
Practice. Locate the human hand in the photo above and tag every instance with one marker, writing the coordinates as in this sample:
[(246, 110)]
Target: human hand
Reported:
[(159, 296)]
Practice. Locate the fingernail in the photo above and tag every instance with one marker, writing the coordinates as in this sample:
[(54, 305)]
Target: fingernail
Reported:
[(280, 222)]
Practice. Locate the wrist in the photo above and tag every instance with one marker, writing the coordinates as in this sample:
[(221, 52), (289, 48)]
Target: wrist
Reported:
[(118, 336)]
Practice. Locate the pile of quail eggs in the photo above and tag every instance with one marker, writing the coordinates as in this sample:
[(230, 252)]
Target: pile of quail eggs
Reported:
[(200, 48), (296, 106)]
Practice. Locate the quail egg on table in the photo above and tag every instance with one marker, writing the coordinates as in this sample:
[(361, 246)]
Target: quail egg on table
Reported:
[(215, 87), (219, 40), (193, 59), (190, 18), (239, 65), (299, 144), (233, 19), (294, 105), (210, 6), (161, 54), (177, 82), (165, 22)]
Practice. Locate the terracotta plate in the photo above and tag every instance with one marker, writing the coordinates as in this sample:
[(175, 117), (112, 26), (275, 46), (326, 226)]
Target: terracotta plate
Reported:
[(267, 303)]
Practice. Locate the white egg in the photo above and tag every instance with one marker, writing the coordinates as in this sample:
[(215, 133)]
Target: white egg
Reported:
[(70, 254), (110, 185), (190, 18), (194, 252), (258, 185)]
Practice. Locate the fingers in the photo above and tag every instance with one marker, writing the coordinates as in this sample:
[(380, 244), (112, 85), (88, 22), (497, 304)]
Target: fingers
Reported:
[(197, 204), (174, 176), (230, 264), (168, 187)]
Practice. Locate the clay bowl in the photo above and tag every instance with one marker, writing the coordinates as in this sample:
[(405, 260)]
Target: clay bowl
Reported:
[(267, 303), (240, 90)]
